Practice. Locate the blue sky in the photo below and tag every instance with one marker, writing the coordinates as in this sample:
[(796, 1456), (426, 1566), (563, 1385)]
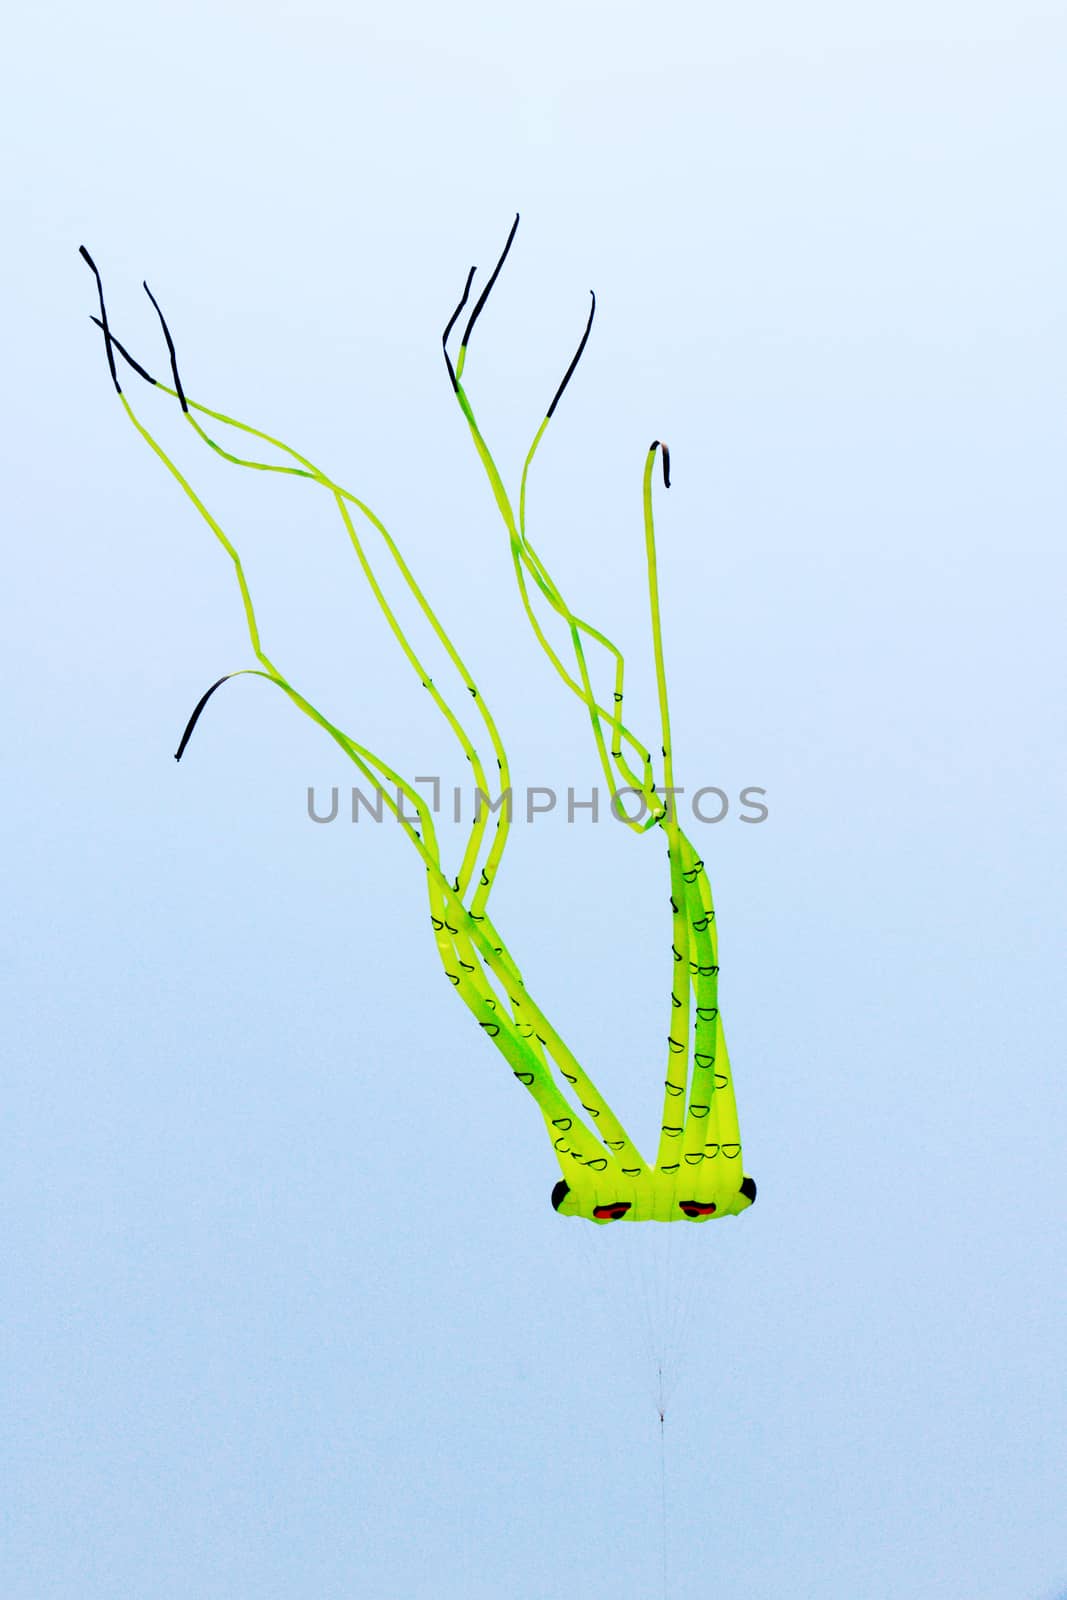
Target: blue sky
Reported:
[(286, 1310)]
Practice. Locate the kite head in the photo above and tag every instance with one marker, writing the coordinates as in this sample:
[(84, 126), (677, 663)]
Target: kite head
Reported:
[(718, 1188)]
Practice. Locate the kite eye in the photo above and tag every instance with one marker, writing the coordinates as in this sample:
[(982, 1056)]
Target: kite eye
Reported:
[(560, 1191), (697, 1208), (612, 1213), (748, 1189)]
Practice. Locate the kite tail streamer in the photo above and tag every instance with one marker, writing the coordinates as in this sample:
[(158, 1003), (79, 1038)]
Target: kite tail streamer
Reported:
[(473, 956)]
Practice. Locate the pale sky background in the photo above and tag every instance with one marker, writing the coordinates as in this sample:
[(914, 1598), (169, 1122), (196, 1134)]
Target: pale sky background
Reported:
[(286, 1312)]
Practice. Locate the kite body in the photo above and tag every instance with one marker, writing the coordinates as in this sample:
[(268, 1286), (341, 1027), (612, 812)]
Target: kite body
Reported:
[(697, 1173)]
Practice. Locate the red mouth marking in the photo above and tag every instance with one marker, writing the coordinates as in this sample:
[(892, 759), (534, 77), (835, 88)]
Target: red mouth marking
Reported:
[(612, 1213), (695, 1208)]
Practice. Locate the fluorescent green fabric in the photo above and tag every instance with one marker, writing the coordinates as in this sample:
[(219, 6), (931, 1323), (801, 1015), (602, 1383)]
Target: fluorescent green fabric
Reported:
[(698, 1171)]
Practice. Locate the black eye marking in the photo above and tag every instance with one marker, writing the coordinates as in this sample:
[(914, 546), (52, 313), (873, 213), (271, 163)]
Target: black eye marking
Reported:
[(613, 1212), (697, 1208), (748, 1188), (560, 1191)]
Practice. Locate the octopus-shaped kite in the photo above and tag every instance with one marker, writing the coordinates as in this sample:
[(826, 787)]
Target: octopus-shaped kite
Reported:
[(698, 1170)]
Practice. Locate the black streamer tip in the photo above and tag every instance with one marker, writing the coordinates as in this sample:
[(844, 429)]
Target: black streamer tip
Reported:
[(170, 347), (451, 324), (195, 718), (493, 276), (87, 258), (125, 354), (657, 444), (577, 355)]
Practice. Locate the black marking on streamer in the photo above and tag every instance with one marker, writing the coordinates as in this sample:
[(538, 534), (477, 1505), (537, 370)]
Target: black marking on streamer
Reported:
[(731, 1151), (438, 925), (525, 1078), (451, 324), (567, 376), (631, 1172), (673, 1088), (748, 1188), (200, 704), (560, 1191), (483, 297), (491, 1028), (702, 1059), (597, 1164), (699, 1110), (87, 258), (615, 1144), (170, 347), (592, 1110), (563, 1123), (124, 353), (695, 1160), (672, 1133)]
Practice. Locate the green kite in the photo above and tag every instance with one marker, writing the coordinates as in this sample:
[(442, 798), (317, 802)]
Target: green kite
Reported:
[(698, 1171)]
